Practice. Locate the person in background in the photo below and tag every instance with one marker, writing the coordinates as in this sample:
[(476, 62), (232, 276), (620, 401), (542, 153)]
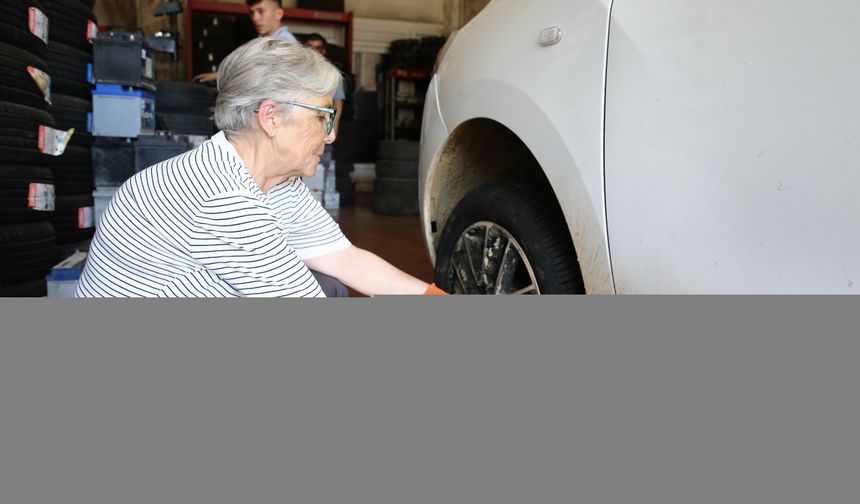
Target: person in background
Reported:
[(319, 44), (232, 218), (267, 17)]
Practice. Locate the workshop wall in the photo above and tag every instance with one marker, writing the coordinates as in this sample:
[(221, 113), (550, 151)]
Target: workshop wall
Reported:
[(449, 14)]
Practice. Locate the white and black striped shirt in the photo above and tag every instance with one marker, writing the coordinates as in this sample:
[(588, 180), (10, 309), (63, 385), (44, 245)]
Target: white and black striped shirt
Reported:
[(197, 225)]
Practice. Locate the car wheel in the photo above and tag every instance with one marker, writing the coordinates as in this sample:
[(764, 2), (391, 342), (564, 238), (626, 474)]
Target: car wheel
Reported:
[(501, 239)]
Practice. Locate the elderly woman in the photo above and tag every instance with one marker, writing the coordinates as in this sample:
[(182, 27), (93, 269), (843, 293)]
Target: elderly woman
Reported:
[(232, 217)]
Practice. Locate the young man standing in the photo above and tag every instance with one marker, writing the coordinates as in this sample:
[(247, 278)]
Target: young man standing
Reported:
[(267, 17)]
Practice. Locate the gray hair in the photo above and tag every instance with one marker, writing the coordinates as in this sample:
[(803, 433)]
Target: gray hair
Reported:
[(268, 68)]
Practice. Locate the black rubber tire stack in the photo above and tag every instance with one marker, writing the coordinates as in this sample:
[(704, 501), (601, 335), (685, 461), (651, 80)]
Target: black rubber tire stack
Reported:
[(27, 239), (404, 53), (395, 189), (72, 23), (17, 85), (27, 252), (428, 50), (15, 25), (69, 57), (345, 156), (184, 108)]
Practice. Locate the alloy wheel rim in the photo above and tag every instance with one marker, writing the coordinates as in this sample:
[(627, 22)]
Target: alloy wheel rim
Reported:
[(487, 259)]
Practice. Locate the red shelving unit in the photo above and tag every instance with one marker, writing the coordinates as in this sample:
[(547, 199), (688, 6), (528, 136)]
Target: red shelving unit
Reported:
[(344, 19)]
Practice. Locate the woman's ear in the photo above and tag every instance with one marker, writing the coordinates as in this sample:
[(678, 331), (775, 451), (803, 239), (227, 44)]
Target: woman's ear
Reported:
[(267, 117)]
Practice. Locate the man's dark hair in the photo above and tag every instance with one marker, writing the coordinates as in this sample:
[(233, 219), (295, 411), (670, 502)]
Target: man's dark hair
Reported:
[(317, 37), (252, 3)]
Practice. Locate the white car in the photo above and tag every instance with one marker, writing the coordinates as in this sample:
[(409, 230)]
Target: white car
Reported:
[(646, 146)]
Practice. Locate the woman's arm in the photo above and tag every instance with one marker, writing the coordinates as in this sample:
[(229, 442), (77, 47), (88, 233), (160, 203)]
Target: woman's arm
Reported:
[(366, 272)]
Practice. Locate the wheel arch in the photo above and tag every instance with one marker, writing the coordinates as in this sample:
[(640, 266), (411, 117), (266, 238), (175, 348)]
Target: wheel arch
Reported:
[(478, 152), (482, 151)]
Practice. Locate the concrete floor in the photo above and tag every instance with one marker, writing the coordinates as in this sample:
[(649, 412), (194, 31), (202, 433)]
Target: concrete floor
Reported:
[(396, 239)]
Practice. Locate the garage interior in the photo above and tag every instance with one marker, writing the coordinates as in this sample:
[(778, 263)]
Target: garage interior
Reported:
[(96, 139)]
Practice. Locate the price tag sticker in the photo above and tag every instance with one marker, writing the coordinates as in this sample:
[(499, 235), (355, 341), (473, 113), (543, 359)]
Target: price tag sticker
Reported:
[(86, 217), (38, 22), (41, 197), (52, 141), (42, 80), (92, 30)]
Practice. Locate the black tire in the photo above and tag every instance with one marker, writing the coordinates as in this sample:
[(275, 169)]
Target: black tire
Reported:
[(72, 88), (16, 83), (19, 134), (66, 184), (344, 184), (70, 70), (15, 25), (346, 155), (15, 184), (73, 172), (72, 112), (33, 288), (343, 169), (463, 265), (397, 150), (73, 178), (396, 169), (69, 23), (346, 187), (184, 98), (81, 139), (66, 222), (184, 124), (347, 199), (393, 196), (344, 150), (27, 252), (74, 155)]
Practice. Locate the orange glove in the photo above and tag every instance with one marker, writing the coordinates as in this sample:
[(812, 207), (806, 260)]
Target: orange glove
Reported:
[(432, 290)]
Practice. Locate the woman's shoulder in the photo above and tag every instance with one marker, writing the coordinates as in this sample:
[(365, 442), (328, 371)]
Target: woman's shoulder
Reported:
[(187, 181)]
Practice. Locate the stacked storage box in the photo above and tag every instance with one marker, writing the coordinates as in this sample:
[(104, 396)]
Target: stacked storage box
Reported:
[(124, 114)]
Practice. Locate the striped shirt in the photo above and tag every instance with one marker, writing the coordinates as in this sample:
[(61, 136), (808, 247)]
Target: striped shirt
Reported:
[(197, 225)]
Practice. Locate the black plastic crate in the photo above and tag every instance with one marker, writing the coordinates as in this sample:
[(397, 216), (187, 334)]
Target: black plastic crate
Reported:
[(123, 58), (117, 159)]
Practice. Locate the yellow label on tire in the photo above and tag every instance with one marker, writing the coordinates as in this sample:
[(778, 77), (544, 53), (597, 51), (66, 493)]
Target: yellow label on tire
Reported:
[(42, 80)]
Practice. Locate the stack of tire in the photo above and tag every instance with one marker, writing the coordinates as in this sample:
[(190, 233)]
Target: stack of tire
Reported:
[(427, 52), (184, 108), (27, 200), (395, 189), (69, 57), (404, 53), (344, 156)]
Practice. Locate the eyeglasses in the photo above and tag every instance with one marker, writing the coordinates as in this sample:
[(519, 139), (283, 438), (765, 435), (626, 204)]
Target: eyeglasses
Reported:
[(332, 113)]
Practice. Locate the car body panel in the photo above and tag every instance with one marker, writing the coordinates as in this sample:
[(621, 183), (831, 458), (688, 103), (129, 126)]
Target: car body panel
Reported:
[(549, 97), (732, 146), (711, 148), (434, 132)]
